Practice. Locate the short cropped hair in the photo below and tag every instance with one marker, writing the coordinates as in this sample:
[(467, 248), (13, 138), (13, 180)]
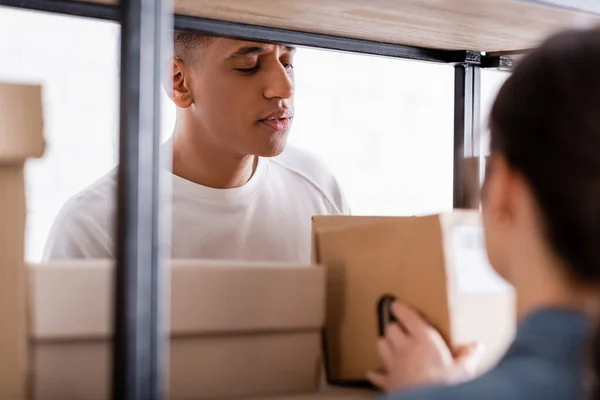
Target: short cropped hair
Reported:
[(188, 46)]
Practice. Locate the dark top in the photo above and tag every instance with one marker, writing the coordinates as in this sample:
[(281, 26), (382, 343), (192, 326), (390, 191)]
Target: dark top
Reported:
[(545, 361)]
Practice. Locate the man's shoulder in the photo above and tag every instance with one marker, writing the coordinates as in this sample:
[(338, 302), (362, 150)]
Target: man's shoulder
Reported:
[(315, 173), (83, 227), (99, 196)]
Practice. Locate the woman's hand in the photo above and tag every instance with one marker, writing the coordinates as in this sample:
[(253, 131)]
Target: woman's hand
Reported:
[(419, 356)]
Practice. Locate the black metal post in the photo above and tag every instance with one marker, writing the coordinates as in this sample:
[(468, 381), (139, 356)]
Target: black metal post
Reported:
[(139, 347), (467, 87), (502, 63)]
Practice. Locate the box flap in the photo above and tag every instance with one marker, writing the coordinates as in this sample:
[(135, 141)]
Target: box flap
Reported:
[(320, 222), (74, 299), (399, 256), (224, 297), (21, 125)]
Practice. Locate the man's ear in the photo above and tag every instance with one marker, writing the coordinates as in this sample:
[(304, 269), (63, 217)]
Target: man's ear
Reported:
[(178, 89)]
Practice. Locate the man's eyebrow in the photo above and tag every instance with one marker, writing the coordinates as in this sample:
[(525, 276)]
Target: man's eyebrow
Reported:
[(247, 51), (254, 50)]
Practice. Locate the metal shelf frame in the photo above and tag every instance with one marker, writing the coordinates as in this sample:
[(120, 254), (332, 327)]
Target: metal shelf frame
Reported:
[(139, 361), (139, 348)]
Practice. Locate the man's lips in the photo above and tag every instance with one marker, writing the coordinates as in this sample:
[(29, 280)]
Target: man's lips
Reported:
[(278, 114), (279, 120), (277, 124)]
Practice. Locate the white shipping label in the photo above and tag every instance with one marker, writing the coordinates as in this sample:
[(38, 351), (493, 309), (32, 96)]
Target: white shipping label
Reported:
[(473, 269)]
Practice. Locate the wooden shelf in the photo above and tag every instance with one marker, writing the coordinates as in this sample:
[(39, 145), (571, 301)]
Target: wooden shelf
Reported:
[(481, 25)]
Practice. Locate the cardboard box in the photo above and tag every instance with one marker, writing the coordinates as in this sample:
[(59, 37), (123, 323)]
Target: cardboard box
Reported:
[(237, 329), (21, 137), (437, 264)]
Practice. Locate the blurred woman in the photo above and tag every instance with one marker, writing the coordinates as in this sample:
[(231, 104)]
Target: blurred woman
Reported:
[(541, 214)]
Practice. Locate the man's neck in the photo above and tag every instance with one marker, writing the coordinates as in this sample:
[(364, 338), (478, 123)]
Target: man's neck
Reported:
[(208, 166)]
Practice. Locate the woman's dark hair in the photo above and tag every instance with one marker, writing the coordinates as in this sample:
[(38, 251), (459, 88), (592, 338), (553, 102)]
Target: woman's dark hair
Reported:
[(546, 122)]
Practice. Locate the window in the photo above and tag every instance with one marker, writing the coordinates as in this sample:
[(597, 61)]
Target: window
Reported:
[(384, 126), (491, 81), (76, 62)]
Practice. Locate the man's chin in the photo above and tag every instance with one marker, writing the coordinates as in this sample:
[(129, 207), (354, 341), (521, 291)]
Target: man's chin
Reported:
[(273, 148)]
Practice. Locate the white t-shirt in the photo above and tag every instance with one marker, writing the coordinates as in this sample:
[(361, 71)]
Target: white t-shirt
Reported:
[(267, 219)]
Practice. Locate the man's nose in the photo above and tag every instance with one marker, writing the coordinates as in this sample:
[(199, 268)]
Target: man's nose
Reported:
[(279, 84)]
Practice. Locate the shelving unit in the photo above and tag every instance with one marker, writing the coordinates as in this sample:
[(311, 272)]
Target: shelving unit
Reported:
[(470, 34)]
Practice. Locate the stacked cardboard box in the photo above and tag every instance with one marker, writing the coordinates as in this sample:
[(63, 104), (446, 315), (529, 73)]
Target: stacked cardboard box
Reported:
[(21, 137), (238, 329)]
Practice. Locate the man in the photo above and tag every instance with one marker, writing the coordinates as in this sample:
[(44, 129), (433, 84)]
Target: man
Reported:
[(236, 193)]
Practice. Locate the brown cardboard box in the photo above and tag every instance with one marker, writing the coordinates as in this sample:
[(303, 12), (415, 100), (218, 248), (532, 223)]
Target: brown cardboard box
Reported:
[(436, 264), (21, 137), (237, 329)]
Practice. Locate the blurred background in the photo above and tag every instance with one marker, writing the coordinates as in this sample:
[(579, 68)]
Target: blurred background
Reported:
[(384, 126)]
